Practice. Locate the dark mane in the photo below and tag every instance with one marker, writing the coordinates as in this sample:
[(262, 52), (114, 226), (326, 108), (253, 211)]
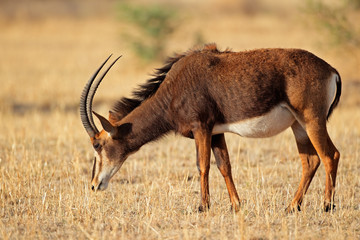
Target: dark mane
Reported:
[(126, 105)]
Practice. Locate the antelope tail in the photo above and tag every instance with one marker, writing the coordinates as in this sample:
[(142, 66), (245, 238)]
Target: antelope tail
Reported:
[(337, 95)]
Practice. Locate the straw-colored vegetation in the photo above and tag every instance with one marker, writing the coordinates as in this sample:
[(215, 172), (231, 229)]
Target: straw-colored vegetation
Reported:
[(46, 156)]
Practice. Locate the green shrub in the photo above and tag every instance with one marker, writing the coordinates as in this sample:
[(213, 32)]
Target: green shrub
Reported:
[(154, 23), (335, 20)]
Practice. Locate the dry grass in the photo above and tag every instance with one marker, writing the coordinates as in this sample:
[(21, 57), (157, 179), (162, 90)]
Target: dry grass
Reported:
[(46, 158), (45, 193)]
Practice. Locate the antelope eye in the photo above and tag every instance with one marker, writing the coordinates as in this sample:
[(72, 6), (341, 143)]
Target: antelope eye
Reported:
[(97, 146)]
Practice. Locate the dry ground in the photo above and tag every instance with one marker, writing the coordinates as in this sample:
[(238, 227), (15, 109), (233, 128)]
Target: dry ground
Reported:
[(46, 157)]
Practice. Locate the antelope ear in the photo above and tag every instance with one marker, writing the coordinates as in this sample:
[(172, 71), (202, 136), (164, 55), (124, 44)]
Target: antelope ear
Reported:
[(108, 127), (113, 118)]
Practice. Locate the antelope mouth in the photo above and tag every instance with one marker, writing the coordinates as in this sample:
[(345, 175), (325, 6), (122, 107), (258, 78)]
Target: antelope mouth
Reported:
[(101, 186), (103, 180)]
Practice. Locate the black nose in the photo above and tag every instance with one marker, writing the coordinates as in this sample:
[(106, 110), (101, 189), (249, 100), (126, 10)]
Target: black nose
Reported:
[(93, 188)]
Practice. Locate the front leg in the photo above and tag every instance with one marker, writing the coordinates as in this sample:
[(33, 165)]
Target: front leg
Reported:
[(221, 154), (203, 145)]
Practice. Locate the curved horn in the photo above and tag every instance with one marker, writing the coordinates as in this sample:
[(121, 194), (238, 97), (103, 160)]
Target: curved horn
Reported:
[(85, 118), (93, 91), (87, 98)]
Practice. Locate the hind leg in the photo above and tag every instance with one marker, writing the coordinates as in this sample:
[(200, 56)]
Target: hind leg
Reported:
[(221, 154), (310, 162), (329, 155)]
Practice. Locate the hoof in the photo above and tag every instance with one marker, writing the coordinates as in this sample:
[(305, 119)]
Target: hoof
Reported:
[(328, 207), (291, 209), (203, 208), (235, 207)]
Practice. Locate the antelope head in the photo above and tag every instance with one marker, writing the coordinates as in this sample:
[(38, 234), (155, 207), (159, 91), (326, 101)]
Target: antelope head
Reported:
[(110, 150)]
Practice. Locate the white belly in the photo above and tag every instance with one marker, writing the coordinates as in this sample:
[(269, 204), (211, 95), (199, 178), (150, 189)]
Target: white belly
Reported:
[(270, 124)]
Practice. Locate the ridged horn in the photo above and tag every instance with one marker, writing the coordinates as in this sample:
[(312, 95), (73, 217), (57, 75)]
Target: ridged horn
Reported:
[(87, 97), (92, 92)]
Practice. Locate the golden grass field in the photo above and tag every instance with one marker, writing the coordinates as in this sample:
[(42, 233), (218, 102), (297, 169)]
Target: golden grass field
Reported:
[(46, 156)]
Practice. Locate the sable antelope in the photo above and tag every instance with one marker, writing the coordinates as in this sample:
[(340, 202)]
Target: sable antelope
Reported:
[(204, 93)]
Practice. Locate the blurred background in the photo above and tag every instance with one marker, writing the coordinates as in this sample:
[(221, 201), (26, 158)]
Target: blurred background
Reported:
[(49, 48)]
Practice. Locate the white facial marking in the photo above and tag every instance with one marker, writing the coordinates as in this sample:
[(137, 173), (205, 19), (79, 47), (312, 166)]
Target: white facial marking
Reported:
[(107, 170), (96, 154), (97, 159), (267, 125)]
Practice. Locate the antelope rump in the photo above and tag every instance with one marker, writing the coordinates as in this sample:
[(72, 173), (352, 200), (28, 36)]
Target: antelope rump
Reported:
[(203, 93)]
